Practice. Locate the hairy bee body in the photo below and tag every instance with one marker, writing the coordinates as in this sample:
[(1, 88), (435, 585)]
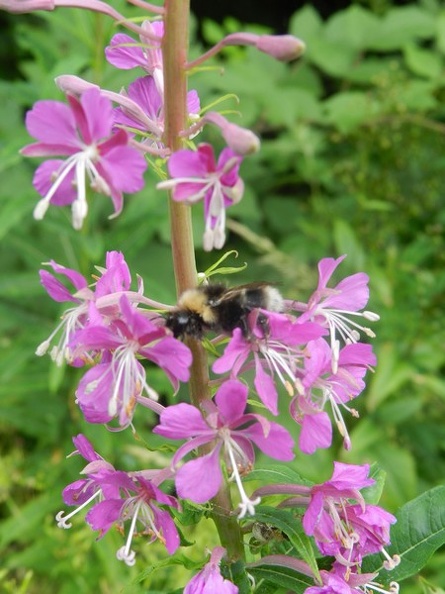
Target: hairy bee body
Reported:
[(217, 308)]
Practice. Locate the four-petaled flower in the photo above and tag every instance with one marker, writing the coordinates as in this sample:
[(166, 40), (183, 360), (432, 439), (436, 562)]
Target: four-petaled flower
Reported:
[(230, 431), (196, 176), (276, 353), (122, 496), (333, 307), (320, 387), (343, 529), (82, 132), (115, 385), (209, 580)]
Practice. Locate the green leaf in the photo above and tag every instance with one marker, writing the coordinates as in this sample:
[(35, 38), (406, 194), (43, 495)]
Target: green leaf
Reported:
[(418, 533), (348, 110), (400, 26), (280, 576), (423, 62), (170, 561), (355, 27), (276, 475), (391, 373), (306, 24), (332, 57), (287, 523)]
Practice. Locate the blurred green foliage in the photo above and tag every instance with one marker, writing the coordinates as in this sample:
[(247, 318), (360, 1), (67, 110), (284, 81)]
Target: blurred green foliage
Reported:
[(352, 161)]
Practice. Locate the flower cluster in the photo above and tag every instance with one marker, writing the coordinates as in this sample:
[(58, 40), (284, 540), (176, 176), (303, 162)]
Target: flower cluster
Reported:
[(295, 353), (105, 145), (120, 496), (107, 330), (342, 524), (112, 330)]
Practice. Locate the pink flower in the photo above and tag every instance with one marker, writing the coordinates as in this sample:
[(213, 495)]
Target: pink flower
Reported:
[(82, 132), (209, 580), (113, 387), (275, 355), (122, 496), (321, 387), (195, 177), (333, 307), (144, 109), (123, 52), (343, 529), (232, 433), (115, 278)]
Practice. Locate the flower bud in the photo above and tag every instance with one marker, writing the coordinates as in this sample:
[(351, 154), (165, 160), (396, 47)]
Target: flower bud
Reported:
[(22, 6), (241, 140), (281, 47)]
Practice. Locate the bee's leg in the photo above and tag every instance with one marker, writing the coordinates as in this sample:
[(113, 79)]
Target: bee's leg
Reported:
[(263, 323)]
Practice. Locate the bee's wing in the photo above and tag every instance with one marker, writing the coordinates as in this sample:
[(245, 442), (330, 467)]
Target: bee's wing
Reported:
[(234, 292)]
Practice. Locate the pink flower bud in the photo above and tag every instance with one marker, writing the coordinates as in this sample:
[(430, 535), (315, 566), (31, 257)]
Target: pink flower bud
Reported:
[(241, 140), (22, 6), (281, 47)]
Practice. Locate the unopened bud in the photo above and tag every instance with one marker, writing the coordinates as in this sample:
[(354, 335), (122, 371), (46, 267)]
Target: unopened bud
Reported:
[(68, 83), (22, 6), (281, 47), (241, 140)]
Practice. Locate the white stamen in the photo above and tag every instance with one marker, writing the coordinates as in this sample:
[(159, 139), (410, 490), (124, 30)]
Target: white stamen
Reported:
[(247, 506), (62, 520), (125, 553)]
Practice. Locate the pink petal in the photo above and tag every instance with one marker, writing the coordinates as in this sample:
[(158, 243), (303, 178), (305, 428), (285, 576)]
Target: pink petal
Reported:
[(199, 480), (231, 400), (187, 163), (265, 387), (124, 167), (181, 421), (98, 113), (326, 268), (123, 57), (43, 180), (52, 122), (277, 444), (104, 514), (316, 432)]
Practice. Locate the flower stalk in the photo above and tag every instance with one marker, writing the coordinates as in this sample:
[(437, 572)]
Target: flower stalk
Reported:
[(174, 49)]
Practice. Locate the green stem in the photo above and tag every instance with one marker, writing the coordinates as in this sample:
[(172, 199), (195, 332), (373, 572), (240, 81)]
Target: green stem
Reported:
[(174, 49)]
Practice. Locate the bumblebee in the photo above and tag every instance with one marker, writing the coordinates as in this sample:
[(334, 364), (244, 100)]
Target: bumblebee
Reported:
[(220, 309)]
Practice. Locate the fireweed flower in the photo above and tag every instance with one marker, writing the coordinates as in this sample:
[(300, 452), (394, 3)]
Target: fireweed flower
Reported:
[(82, 492), (339, 581), (276, 354), (321, 387), (124, 53), (115, 278), (114, 386), (209, 580), (195, 177), (337, 516), (122, 496), (334, 306), (138, 500), (231, 433), (73, 318), (81, 131), (347, 531), (147, 109)]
